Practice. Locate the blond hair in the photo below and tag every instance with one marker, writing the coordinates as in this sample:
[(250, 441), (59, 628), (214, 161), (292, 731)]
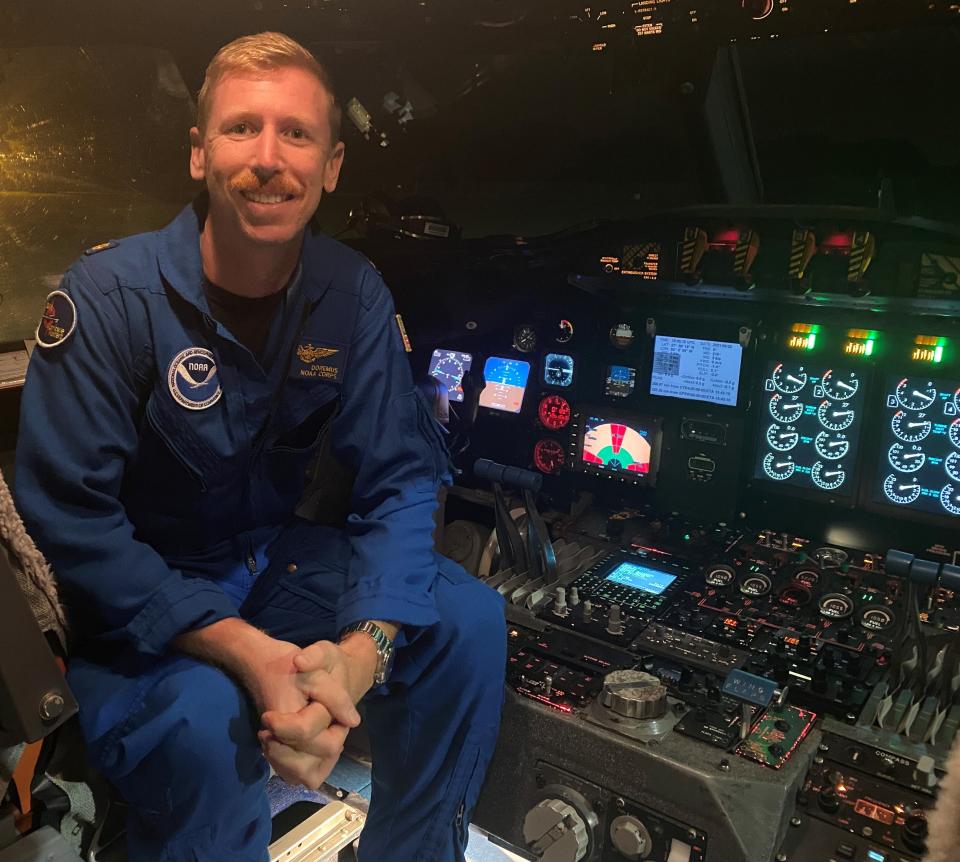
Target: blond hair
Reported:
[(264, 52)]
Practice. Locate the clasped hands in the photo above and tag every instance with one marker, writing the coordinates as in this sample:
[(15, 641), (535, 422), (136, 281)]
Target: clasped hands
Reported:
[(307, 702)]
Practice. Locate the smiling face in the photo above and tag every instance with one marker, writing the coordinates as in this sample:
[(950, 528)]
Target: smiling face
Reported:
[(266, 154)]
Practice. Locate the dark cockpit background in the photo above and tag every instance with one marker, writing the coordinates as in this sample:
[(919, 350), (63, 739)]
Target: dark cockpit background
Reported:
[(511, 117)]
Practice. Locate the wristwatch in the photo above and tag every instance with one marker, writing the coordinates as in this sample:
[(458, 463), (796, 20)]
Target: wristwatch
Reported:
[(384, 648)]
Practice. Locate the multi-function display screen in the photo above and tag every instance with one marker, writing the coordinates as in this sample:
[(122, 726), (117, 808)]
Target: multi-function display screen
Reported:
[(506, 383), (621, 380), (449, 366), (920, 446), (695, 369), (614, 445), (641, 578), (810, 420)]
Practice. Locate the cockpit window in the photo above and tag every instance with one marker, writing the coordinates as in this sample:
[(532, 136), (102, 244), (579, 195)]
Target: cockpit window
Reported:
[(93, 146)]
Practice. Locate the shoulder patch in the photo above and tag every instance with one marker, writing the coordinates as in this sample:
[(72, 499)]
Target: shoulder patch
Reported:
[(101, 246), (58, 321), (403, 335)]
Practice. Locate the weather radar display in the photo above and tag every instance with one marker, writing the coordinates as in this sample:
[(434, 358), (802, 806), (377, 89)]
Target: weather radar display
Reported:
[(613, 446), (449, 366)]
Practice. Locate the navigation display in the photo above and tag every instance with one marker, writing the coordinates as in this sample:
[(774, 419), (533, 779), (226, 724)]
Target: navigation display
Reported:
[(809, 430), (558, 370), (614, 445), (920, 446), (449, 366), (621, 380), (696, 370), (506, 383), (641, 578)]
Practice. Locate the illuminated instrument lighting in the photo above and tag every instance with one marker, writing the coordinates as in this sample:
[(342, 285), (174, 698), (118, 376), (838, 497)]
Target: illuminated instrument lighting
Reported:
[(928, 348), (803, 337), (861, 342)]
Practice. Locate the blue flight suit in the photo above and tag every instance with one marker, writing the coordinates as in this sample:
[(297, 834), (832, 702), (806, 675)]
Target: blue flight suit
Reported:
[(159, 466)]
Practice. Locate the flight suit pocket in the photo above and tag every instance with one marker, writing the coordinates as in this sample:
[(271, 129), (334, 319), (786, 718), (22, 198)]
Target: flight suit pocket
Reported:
[(182, 443)]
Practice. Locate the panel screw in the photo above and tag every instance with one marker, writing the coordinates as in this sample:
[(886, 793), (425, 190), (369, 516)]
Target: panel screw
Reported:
[(781, 857), (620, 803), (51, 706), (291, 567), (795, 821), (724, 765)]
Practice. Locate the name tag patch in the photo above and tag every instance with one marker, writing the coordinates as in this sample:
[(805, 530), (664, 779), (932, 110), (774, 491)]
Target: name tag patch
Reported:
[(193, 380), (319, 361)]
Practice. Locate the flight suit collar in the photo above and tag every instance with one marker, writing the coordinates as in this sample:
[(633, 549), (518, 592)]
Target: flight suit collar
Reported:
[(182, 267)]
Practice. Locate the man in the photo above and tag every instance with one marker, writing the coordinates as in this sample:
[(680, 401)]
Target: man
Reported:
[(182, 382)]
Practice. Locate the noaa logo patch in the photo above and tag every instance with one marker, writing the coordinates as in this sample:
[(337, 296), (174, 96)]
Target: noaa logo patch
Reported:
[(193, 380), (58, 321)]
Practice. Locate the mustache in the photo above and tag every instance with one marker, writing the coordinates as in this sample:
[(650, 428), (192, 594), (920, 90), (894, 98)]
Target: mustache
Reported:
[(247, 181)]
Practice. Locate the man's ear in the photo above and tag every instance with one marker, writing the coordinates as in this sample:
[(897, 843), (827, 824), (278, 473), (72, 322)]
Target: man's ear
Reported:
[(198, 165), (331, 171)]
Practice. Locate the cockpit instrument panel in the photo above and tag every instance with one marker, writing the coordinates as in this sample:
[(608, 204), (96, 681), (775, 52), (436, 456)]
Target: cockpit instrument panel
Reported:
[(919, 467), (449, 367), (696, 370), (809, 425), (506, 383)]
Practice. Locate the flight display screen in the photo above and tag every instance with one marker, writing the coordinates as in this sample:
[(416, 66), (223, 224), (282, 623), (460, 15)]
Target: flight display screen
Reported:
[(558, 370), (615, 445), (920, 446), (641, 578), (449, 366), (506, 383), (621, 380), (696, 370), (810, 421)]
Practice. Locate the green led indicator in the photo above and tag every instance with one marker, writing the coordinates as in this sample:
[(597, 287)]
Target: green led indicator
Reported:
[(938, 353), (811, 341), (869, 350)]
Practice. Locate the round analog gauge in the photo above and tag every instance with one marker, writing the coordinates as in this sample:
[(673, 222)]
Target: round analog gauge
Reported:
[(755, 585), (558, 369), (794, 596), (835, 417), (952, 466), (786, 408), (836, 606), (832, 445), (950, 499), (554, 412), (548, 455), (954, 432), (782, 437), (807, 578), (913, 393), (564, 331), (912, 429), (828, 476), (719, 576), (900, 491), (906, 459), (830, 558), (758, 9), (839, 385), (778, 467), (876, 618), (789, 379), (956, 400), (621, 335), (525, 338)]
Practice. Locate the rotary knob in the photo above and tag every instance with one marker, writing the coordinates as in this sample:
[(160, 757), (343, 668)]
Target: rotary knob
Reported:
[(631, 838), (634, 694), (555, 831)]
